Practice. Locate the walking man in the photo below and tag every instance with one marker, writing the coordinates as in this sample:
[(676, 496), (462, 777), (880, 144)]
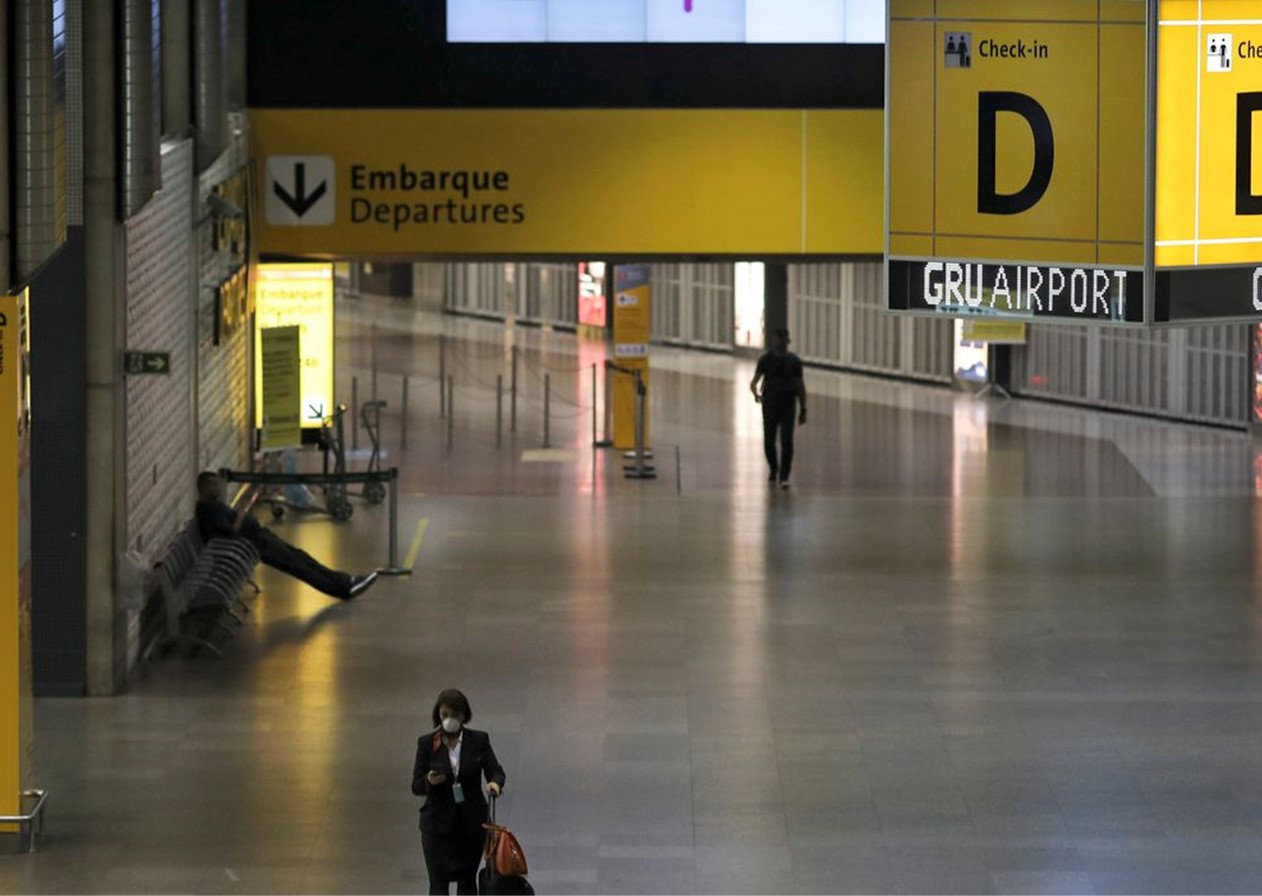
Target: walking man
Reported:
[(778, 384), (215, 519)]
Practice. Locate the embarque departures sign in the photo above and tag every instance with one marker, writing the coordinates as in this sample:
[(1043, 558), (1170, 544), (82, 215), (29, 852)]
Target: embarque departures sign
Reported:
[(1080, 160)]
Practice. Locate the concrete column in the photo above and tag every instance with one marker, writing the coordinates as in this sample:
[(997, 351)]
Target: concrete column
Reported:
[(105, 320), (177, 89), (236, 62), (776, 309)]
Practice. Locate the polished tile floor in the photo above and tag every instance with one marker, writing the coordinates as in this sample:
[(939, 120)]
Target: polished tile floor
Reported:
[(980, 647)]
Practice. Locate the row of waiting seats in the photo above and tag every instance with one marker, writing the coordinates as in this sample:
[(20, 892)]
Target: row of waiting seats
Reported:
[(199, 587)]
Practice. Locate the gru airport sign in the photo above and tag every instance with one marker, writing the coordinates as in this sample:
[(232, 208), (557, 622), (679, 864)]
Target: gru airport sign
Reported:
[(1077, 161)]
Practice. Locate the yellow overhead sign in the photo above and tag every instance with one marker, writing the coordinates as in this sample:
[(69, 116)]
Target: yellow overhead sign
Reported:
[(298, 295), (365, 183), (1209, 133), (1208, 227), (1016, 147)]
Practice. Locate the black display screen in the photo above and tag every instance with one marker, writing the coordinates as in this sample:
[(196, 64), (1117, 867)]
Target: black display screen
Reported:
[(395, 54)]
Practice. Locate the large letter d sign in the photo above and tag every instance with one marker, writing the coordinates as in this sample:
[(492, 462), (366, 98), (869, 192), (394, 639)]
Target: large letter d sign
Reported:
[(989, 200)]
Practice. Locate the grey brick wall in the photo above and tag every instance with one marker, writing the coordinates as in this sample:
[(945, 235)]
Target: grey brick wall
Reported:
[(223, 381), (160, 457)]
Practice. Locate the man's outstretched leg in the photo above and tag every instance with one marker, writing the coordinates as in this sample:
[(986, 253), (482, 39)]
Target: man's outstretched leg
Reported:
[(281, 555)]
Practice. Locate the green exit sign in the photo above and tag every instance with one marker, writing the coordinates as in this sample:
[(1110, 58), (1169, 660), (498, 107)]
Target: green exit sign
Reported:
[(146, 362)]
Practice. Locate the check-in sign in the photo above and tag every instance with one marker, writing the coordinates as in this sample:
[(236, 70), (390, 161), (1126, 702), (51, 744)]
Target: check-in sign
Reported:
[(1209, 160), (1016, 159)]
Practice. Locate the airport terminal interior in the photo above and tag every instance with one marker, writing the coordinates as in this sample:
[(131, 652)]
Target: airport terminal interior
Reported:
[(493, 306)]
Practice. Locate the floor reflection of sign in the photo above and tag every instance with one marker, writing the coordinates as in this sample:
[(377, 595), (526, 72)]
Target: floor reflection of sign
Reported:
[(282, 389), (299, 295)]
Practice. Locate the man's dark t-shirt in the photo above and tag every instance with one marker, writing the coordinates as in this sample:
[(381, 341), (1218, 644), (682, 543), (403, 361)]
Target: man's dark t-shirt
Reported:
[(781, 374), (215, 519)]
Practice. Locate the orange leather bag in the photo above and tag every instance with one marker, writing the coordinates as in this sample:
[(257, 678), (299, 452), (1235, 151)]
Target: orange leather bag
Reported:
[(504, 854)]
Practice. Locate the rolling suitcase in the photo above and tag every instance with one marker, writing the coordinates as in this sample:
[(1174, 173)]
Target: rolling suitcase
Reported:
[(505, 869)]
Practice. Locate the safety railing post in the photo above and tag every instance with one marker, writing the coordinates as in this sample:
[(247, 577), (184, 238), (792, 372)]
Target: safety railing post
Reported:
[(451, 413), (499, 410), (512, 421), (394, 518), (403, 421), (354, 413), (373, 349), (547, 410), (442, 376)]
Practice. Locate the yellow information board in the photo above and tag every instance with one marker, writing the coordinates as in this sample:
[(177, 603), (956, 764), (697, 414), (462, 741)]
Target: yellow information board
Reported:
[(298, 295), (281, 376), (1016, 157), (374, 183), (16, 706), (632, 310)]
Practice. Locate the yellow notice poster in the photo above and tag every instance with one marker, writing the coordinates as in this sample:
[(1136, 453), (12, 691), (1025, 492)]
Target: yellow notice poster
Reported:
[(282, 390), (632, 308), (16, 709), (298, 295), (994, 332)]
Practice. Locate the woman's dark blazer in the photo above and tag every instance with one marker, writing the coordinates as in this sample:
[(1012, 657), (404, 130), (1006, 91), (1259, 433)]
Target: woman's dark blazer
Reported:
[(440, 814)]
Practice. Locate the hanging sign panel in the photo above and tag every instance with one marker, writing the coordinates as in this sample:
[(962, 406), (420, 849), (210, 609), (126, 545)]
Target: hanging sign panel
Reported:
[(1209, 161), (512, 182), (1016, 159)]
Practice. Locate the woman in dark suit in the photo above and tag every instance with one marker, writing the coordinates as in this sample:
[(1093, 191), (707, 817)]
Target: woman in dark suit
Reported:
[(451, 762)]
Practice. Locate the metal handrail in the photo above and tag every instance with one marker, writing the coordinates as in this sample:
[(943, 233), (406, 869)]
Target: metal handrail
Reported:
[(33, 822)]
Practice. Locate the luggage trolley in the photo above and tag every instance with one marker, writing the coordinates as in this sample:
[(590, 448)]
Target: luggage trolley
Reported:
[(332, 443)]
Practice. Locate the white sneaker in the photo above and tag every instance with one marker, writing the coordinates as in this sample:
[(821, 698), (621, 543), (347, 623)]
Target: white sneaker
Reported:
[(784, 483)]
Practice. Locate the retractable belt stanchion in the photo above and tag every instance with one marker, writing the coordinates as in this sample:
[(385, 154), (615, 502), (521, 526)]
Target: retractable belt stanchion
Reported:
[(641, 469), (442, 377), (499, 410), (403, 421), (547, 410)]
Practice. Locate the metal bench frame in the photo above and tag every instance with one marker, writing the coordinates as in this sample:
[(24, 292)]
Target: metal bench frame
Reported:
[(203, 581)]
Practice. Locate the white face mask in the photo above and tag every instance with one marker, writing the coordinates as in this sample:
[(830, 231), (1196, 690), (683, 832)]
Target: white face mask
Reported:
[(451, 725)]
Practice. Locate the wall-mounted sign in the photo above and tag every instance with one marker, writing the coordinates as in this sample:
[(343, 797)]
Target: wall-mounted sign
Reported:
[(280, 376), (298, 295), (141, 363)]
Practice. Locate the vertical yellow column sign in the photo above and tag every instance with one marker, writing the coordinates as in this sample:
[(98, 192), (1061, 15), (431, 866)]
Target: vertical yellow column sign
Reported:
[(16, 719), (631, 317)]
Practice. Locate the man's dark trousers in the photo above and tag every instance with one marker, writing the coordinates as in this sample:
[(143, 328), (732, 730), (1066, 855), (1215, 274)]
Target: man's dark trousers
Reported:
[(281, 555), (778, 419)]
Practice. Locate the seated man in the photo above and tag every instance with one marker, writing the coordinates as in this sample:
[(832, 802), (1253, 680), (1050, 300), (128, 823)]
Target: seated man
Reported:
[(215, 519)]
